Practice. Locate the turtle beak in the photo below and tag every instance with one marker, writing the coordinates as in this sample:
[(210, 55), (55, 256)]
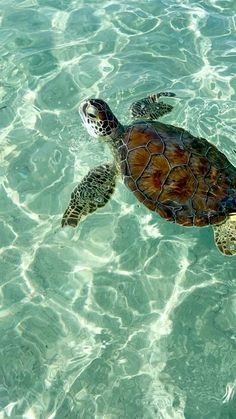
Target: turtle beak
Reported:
[(88, 124), (82, 108), (82, 111)]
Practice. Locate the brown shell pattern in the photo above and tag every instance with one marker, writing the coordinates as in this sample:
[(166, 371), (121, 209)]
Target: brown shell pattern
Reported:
[(185, 179)]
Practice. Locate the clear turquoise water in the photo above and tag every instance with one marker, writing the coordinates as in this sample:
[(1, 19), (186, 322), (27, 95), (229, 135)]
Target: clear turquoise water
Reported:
[(127, 316)]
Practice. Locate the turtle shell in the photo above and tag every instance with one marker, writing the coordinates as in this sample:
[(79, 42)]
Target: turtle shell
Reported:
[(185, 179)]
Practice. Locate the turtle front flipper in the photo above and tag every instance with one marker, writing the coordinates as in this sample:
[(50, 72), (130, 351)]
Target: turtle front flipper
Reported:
[(225, 236), (150, 107), (93, 192)]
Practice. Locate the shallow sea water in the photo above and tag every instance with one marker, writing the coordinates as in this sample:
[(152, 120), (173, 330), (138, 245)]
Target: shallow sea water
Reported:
[(127, 316)]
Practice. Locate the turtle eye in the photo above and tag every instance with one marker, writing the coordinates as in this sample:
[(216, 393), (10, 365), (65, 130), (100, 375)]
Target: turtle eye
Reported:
[(91, 112), (91, 115)]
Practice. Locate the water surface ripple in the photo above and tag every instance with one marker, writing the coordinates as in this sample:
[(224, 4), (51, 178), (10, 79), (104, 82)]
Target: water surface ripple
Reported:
[(127, 316)]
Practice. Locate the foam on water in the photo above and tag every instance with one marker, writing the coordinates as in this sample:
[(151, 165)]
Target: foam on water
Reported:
[(128, 316)]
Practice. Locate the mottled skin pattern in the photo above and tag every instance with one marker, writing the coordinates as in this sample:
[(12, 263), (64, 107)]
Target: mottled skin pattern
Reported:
[(151, 106), (183, 178), (92, 193), (226, 242)]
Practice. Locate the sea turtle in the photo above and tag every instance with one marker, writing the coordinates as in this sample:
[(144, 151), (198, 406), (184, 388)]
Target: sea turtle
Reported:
[(185, 179)]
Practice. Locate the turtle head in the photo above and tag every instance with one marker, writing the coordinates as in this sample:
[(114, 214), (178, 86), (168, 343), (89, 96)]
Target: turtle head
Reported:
[(99, 119)]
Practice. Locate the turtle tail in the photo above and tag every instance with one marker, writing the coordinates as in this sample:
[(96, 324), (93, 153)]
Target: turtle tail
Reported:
[(225, 236)]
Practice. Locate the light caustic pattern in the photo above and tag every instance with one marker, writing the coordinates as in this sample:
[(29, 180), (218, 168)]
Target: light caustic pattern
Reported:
[(127, 316)]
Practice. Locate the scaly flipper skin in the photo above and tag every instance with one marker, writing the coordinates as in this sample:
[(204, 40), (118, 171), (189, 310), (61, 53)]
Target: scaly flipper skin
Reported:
[(93, 192), (150, 108), (225, 236)]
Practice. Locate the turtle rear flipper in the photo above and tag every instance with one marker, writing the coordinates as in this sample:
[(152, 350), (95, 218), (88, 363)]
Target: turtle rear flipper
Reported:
[(150, 107), (93, 192), (225, 236)]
